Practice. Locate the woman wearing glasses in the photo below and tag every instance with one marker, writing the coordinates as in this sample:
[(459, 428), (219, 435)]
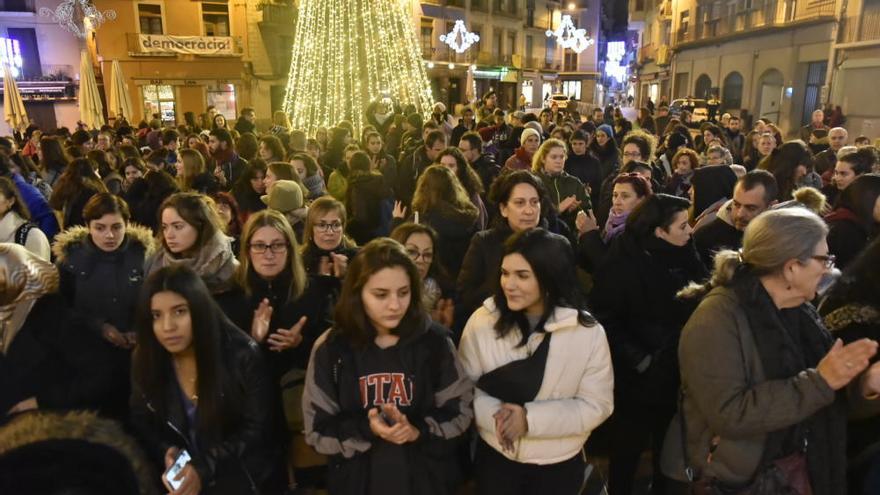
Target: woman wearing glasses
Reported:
[(760, 372), (420, 242), (274, 302), (326, 249)]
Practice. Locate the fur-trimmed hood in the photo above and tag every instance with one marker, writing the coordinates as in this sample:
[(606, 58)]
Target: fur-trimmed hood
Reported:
[(83, 450), (73, 238)]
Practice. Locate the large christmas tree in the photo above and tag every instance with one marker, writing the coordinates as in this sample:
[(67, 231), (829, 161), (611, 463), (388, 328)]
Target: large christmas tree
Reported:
[(349, 53)]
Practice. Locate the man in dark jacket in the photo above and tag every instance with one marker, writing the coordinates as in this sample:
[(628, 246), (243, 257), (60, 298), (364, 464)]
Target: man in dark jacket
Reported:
[(465, 124), (754, 193), (817, 122), (471, 146), (413, 165), (228, 167), (735, 139), (246, 121), (662, 118), (827, 159)]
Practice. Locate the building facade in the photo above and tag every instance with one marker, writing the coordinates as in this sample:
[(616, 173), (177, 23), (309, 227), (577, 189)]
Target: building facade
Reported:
[(652, 20), (47, 65), (514, 55)]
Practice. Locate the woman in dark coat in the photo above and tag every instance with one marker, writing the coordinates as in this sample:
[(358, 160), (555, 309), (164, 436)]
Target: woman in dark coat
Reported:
[(441, 202), (855, 220), (146, 194), (368, 201), (523, 204), (200, 384), (102, 269), (851, 311), (46, 361), (635, 299)]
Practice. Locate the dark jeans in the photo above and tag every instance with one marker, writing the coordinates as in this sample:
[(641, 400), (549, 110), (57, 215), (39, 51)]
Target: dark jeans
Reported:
[(634, 429), (497, 474)]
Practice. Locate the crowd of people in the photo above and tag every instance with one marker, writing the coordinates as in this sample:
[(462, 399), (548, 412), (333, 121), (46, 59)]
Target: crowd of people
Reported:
[(479, 299)]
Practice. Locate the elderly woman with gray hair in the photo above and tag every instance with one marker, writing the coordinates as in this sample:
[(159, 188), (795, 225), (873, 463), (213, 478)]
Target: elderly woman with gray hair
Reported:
[(759, 406)]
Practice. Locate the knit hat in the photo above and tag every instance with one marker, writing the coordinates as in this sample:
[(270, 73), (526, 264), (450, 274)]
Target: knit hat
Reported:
[(439, 107), (606, 129), (519, 115), (284, 196), (528, 131), (534, 125)]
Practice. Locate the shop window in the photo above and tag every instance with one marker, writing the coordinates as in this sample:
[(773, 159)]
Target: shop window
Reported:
[(572, 89), (159, 99), (528, 91), (150, 18), (222, 97), (215, 18)]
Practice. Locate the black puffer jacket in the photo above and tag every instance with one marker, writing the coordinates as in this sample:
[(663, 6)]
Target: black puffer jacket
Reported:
[(247, 457)]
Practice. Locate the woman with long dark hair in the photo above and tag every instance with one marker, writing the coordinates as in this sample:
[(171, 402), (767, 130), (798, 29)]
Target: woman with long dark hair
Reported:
[(385, 396), (855, 219), (634, 297), (248, 189), (542, 371), (368, 200), (199, 384), (74, 188), (453, 159), (789, 163), (53, 159), (193, 235)]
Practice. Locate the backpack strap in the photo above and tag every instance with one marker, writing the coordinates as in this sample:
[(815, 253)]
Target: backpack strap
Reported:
[(21, 233)]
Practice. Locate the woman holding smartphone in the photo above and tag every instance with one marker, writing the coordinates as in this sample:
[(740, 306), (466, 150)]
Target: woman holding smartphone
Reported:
[(385, 396), (199, 384)]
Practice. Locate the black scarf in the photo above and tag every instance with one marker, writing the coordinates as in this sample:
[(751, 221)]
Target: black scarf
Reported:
[(790, 341)]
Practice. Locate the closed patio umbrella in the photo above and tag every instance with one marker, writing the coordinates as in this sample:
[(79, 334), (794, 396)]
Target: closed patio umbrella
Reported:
[(91, 110), (120, 100), (14, 112)]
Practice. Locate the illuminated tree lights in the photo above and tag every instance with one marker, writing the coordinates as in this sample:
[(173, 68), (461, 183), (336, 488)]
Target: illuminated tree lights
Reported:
[(347, 53)]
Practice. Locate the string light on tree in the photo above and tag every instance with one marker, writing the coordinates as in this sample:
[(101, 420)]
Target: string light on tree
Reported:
[(349, 53), (569, 36), (467, 38)]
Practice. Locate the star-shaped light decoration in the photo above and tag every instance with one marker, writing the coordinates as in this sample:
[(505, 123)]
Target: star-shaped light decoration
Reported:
[(72, 15), (568, 36), (467, 38)]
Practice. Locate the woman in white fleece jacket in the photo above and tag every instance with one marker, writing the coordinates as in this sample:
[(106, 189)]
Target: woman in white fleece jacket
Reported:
[(542, 370)]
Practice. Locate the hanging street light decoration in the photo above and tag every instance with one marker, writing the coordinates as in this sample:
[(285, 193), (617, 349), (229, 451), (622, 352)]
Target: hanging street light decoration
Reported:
[(568, 36), (467, 38), (78, 16)]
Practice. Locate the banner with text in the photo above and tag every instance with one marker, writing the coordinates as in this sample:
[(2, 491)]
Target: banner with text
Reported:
[(194, 45)]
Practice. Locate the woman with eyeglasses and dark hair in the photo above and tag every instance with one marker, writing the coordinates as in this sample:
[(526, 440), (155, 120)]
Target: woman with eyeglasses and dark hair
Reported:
[(201, 385), (542, 371), (385, 396), (420, 242)]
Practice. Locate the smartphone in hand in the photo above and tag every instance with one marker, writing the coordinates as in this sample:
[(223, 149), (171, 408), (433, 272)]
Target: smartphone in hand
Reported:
[(182, 460)]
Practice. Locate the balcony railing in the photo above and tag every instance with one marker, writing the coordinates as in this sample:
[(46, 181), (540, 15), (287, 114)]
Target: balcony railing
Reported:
[(283, 15), (766, 13), (865, 27)]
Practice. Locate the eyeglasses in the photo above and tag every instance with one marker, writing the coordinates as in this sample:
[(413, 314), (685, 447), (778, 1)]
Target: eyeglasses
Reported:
[(427, 256), (275, 247), (329, 227), (632, 154), (827, 260)]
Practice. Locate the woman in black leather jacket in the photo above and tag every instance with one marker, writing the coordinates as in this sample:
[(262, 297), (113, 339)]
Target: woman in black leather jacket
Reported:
[(200, 384)]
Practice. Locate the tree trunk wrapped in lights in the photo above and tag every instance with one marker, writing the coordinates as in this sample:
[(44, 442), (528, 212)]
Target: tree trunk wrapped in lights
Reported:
[(349, 53)]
